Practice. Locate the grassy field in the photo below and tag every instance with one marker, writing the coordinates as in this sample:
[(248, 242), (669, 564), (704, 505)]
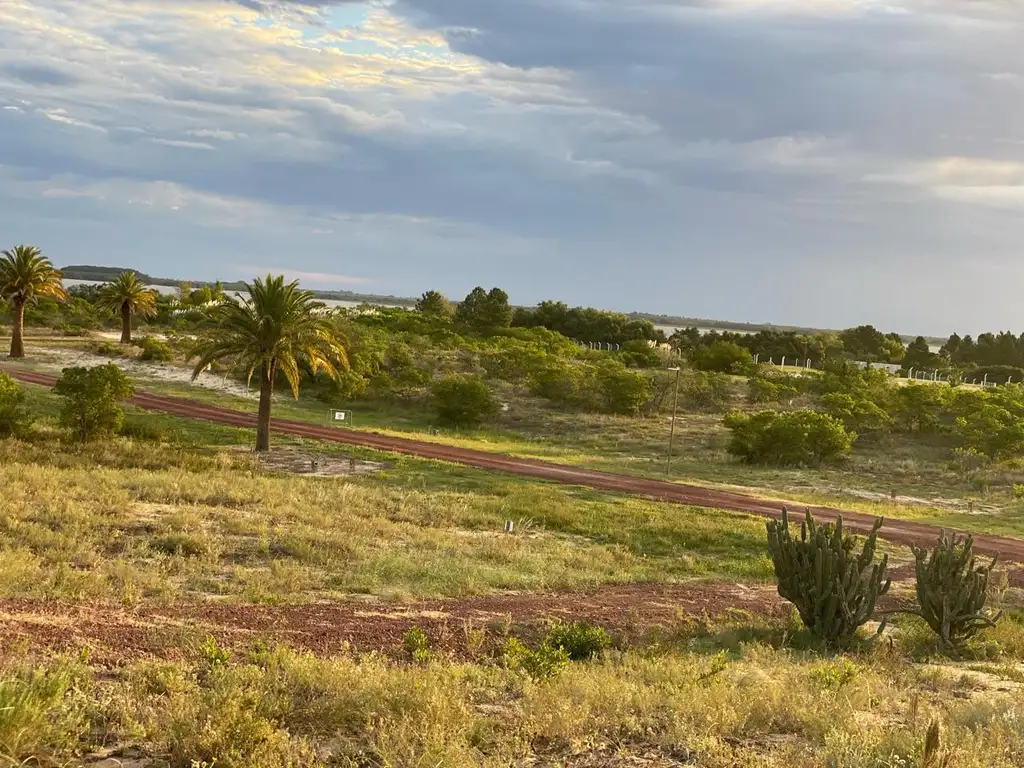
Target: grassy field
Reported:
[(927, 484), (181, 519)]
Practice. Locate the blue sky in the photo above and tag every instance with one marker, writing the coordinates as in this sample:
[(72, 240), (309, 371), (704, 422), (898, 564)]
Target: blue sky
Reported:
[(818, 162)]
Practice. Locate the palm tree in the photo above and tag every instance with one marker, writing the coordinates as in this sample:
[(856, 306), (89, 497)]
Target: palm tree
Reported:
[(25, 275), (273, 331), (127, 296)]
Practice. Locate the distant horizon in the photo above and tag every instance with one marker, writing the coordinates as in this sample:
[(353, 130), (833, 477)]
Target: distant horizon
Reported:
[(702, 322)]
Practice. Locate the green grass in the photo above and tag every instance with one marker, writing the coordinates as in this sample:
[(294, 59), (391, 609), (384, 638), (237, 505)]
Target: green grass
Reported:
[(133, 520)]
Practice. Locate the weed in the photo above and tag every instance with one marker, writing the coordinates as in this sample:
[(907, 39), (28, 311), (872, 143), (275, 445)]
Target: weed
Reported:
[(579, 640), (417, 645)]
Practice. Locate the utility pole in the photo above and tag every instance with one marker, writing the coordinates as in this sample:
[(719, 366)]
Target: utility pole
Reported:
[(672, 429)]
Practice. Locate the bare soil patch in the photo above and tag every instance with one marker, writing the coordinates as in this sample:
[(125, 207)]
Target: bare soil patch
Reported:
[(114, 634)]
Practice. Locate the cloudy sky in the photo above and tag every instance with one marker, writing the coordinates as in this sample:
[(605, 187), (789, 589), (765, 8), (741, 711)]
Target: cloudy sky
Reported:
[(819, 162)]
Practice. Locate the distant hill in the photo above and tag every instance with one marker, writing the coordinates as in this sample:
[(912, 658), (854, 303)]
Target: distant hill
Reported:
[(104, 274)]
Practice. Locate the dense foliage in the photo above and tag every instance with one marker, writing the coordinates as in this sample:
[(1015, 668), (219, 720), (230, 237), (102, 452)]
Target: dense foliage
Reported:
[(92, 400), (462, 401), (14, 416), (790, 438)]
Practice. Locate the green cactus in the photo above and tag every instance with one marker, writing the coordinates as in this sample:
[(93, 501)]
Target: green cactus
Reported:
[(951, 590), (833, 589)]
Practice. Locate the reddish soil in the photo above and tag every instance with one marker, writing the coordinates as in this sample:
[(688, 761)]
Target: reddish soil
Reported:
[(114, 634), (899, 531)]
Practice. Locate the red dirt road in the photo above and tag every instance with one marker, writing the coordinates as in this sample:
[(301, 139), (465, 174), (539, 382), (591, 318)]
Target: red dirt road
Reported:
[(114, 634), (898, 531)]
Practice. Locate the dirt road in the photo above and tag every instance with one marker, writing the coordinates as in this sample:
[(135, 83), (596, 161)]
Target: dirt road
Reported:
[(899, 531)]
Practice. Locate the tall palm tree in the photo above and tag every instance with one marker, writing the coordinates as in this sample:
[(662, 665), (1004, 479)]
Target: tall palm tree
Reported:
[(127, 295), (25, 275), (273, 331)]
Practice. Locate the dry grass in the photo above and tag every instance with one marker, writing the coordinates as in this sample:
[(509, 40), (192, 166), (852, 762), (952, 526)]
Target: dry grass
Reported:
[(757, 706)]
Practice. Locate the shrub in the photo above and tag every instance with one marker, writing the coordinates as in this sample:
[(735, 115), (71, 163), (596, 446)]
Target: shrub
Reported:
[(856, 412), (951, 590), (462, 401), (834, 591), (144, 428), (794, 438), (622, 391), (539, 664), (997, 374), (561, 383), (761, 389), (579, 640), (155, 350), (638, 353), (92, 398), (14, 416), (723, 357), (991, 430), (703, 391), (108, 349), (918, 407), (417, 645)]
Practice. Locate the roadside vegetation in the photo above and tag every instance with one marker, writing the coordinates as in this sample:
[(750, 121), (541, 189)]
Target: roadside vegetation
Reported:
[(168, 597)]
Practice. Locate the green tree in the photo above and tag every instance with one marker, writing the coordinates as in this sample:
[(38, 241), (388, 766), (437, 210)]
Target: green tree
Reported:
[(272, 332), (25, 276), (127, 296), (92, 400), (462, 401), (485, 310), (920, 356), (919, 407), (436, 304), (14, 417)]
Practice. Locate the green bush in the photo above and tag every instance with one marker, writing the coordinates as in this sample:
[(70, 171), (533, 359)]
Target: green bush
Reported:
[(544, 662), (154, 350), (560, 382), (620, 390), (991, 430), (108, 349), (723, 357), (762, 389), (579, 640), (417, 645), (919, 407), (92, 397), (703, 391), (639, 353), (856, 412), (462, 401), (795, 438), (14, 416)]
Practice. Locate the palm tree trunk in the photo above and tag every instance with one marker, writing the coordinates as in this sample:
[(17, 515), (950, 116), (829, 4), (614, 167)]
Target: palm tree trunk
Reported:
[(126, 324), (263, 419), (18, 330)]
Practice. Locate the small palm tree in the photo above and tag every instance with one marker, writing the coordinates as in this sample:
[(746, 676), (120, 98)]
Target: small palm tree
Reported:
[(127, 296), (25, 275), (273, 331)]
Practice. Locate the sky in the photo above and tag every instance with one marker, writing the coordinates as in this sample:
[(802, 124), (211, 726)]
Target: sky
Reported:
[(813, 162)]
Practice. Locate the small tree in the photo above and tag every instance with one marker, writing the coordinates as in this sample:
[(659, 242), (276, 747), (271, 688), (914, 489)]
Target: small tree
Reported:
[(793, 438), (951, 590), (92, 398), (435, 303), (462, 401), (485, 310), (856, 411), (127, 296), (14, 417), (834, 590)]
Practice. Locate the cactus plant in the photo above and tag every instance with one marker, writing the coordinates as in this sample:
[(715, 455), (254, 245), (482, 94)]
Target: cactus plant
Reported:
[(951, 590), (833, 589)]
